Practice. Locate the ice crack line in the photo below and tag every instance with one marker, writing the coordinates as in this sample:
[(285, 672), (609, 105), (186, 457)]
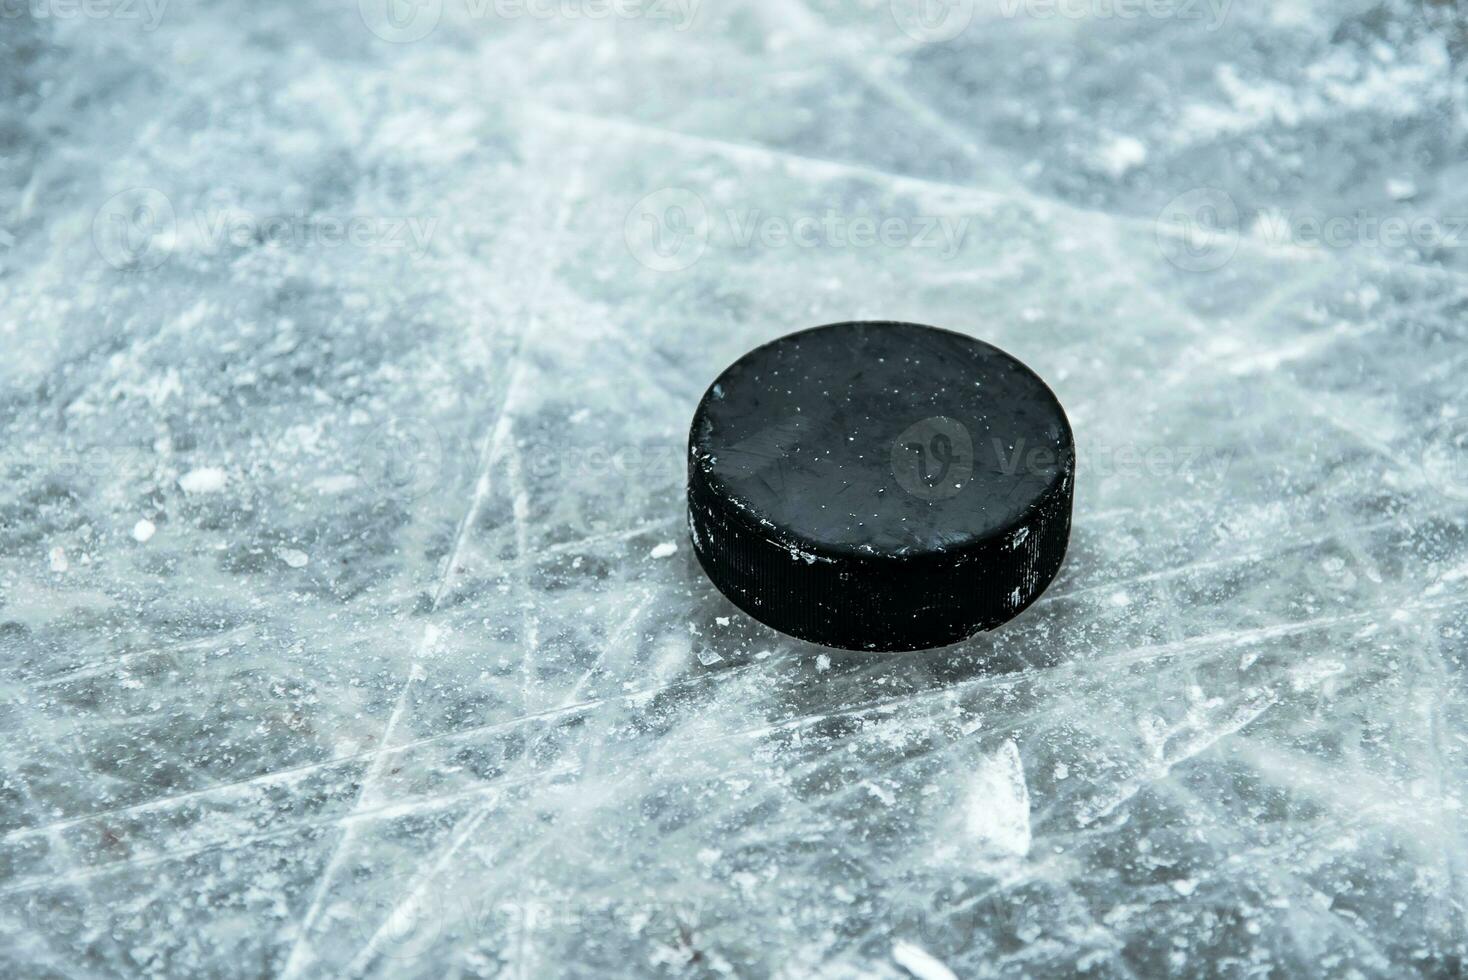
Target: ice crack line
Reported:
[(494, 439)]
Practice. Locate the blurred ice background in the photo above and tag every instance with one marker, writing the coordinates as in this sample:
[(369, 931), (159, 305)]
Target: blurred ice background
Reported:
[(347, 625)]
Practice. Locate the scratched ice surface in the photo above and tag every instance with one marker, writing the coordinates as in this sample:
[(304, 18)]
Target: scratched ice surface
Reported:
[(347, 618)]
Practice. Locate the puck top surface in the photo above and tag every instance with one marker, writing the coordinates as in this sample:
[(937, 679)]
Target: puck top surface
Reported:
[(881, 438)]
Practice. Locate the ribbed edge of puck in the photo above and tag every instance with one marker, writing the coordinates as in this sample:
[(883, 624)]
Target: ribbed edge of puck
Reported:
[(878, 602)]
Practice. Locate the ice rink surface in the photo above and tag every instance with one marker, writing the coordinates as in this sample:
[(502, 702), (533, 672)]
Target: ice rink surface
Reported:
[(348, 624)]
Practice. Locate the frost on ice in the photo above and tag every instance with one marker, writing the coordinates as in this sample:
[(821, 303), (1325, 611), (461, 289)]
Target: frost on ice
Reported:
[(998, 807), (343, 418)]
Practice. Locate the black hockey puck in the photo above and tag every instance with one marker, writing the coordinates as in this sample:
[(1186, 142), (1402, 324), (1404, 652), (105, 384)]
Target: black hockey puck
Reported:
[(880, 486)]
